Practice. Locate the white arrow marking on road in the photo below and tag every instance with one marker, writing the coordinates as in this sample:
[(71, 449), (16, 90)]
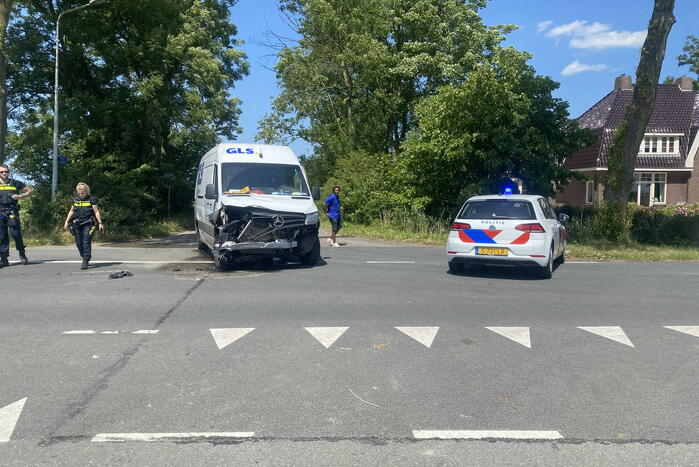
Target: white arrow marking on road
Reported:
[(691, 330), (423, 334), (226, 336), (518, 334), (9, 415), (614, 333), (328, 335)]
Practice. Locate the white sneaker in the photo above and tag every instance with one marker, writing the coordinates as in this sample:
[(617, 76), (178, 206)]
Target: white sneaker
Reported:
[(330, 241), (336, 245)]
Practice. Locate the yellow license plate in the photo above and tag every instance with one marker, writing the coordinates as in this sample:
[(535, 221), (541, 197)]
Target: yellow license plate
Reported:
[(491, 251)]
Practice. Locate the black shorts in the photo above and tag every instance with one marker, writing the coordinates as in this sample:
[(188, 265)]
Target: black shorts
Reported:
[(336, 224)]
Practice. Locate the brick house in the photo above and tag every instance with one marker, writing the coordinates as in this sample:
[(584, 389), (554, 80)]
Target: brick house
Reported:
[(667, 168)]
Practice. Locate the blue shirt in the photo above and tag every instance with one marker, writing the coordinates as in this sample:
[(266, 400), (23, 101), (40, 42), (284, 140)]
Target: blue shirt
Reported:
[(332, 203)]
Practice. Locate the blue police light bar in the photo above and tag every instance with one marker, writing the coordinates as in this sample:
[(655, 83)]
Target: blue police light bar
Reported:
[(508, 190)]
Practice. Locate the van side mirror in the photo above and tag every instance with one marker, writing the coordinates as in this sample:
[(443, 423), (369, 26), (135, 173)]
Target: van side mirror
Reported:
[(210, 192), (563, 218), (315, 193)]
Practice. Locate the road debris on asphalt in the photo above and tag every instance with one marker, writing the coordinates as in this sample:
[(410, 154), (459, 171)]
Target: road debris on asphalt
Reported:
[(366, 402), (120, 274)]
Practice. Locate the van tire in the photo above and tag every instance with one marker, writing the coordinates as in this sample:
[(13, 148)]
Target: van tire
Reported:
[(313, 256), (200, 245)]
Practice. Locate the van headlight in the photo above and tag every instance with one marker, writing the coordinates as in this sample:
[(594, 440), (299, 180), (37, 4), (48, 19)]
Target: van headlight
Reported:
[(312, 218)]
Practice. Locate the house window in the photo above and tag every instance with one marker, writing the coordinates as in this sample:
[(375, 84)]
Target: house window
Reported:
[(648, 188), (589, 192), (668, 144)]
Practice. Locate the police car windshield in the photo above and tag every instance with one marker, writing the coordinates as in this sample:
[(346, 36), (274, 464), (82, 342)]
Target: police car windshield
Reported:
[(498, 209), (264, 179)]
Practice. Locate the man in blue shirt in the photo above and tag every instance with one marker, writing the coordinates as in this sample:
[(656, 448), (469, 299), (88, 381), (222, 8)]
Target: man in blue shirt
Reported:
[(332, 210)]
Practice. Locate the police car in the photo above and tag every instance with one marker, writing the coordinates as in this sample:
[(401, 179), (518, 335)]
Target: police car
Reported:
[(508, 229)]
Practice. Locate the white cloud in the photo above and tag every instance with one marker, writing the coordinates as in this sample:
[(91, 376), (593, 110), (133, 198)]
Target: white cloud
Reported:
[(596, 36), (609, 40), (541, 27), (578, 29), (577, 67)]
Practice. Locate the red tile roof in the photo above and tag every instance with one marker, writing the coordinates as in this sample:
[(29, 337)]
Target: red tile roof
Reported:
[(675, 111)]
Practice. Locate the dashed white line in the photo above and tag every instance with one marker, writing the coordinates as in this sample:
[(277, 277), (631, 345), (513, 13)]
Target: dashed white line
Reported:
[(149, 437), (120, 261), (146, 331), (390, 262), (485, 434), (80, 331)]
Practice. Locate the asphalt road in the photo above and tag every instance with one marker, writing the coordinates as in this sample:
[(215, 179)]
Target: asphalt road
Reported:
[(350, 362)]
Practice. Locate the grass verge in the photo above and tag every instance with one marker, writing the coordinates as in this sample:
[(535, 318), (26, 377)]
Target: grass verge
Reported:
[(597, 251), (154, 229)]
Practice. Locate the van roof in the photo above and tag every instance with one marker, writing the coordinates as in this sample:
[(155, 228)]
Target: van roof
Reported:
[(252, 152)]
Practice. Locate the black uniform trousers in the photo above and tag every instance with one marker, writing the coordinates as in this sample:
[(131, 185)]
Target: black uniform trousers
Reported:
[(83, 238), (9, 221)]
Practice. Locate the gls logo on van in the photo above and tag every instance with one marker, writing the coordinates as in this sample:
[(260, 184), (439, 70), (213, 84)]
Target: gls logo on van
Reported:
[(240, 151)]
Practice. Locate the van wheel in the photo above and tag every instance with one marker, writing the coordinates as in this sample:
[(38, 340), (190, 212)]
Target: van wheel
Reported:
[(313, 256), (200, 245), (547, 271), (222, 263)]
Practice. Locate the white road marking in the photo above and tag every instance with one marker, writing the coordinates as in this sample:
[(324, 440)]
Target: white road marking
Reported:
[(423, 334), (80, 331), (9, 415), (582, 262), (148, 437), (390, 262), (614, 333), (518, 334), (691, 330), (120, 261), (327, 335), (226, 336), (146, 331), (485, 434), (109, 332)]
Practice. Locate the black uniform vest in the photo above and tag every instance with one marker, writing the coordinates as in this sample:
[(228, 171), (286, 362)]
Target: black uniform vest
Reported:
[(6, 192), (82, 208)]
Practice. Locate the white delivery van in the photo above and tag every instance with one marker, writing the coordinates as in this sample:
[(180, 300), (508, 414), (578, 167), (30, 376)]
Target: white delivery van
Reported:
[(253, 202)]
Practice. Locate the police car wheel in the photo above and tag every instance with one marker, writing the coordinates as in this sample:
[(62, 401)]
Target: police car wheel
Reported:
[(456, 268), (546, 272)]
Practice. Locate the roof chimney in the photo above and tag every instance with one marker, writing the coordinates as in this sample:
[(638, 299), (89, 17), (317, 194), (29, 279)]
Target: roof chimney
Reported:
[(685, 83), (623, 82)]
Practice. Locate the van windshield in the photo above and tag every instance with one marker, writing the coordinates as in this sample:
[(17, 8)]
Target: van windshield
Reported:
[(497, 209), (264, 179)]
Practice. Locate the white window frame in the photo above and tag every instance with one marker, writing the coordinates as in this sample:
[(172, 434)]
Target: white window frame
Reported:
[(653, 178), (589, 192), (660, 143)]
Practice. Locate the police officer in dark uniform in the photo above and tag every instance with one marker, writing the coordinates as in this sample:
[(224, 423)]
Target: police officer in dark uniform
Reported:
[(10, 191), (86, 217)]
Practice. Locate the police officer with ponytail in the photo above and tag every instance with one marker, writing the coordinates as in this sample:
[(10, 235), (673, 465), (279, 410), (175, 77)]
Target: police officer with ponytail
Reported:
[(11, 191), (83, 219)]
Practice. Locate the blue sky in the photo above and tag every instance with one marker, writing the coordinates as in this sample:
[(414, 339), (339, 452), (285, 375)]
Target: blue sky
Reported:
[(582, 44)]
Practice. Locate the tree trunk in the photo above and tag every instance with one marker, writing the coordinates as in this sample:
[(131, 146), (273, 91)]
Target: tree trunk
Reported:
[(621, 171), (5, 10)]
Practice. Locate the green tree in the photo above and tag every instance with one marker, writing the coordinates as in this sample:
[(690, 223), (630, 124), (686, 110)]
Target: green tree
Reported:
[(145, 90), (353, 79), (690, 57), (501, 122)]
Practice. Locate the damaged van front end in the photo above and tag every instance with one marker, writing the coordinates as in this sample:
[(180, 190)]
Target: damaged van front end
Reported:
[(254, 233)]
